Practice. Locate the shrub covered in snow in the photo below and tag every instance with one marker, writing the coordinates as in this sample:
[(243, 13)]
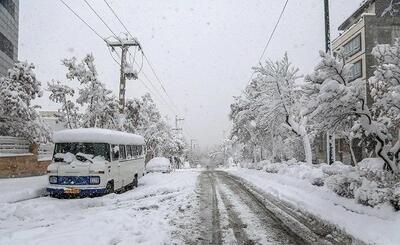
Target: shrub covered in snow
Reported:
[(367, 183), (344, 184), (370, 194), (395, 198)]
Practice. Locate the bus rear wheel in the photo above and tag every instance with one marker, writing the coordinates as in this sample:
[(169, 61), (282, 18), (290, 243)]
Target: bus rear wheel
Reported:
[(135, 181), (110, 187)]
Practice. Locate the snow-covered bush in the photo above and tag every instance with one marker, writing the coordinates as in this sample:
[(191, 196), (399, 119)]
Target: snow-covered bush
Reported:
[(344, 184), (336, 168), (274, 167), (370, 194), (395, 198)]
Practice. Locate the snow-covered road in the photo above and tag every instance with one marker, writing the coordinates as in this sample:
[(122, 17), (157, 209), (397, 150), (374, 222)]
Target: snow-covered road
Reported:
[(184, 207), (153, 213), (232, 215)]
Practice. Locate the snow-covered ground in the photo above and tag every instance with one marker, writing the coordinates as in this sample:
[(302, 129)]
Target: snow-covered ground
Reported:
[(372, 225), (17, 189), (153, 213)]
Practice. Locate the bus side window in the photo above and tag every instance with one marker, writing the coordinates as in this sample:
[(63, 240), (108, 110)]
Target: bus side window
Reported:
[(140, 150), (128, 152), (115, 152), (122, 154), (135, 151)]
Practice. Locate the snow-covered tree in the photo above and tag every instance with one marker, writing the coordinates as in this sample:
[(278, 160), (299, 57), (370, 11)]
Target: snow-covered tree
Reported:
[(276, 99), (18, 117), (144, 118), (69, 112), (385, 90), (101, 106), (335, 99)]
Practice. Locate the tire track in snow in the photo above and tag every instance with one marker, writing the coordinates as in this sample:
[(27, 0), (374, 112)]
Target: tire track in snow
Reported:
[(262, 226)]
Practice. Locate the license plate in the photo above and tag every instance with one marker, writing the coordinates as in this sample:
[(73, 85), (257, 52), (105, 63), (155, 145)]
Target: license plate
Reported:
[(71, 191)]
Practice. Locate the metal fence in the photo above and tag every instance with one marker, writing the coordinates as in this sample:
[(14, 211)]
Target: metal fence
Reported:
[(13, 145)]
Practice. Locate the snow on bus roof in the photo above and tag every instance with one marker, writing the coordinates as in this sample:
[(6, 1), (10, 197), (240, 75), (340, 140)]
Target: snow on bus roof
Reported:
[(97, 135)]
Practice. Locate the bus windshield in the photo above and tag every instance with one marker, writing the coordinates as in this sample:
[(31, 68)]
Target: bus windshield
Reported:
[(94, 149)]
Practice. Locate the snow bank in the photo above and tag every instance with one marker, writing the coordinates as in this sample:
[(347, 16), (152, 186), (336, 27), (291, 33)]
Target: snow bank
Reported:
[(378, 225), (97, 135), (14, 190)]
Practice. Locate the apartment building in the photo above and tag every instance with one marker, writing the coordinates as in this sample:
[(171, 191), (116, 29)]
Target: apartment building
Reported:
[(374, 22), (9, 21)]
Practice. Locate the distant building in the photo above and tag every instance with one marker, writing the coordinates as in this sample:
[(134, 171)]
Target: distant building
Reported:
[(374, 22), (9, 19)]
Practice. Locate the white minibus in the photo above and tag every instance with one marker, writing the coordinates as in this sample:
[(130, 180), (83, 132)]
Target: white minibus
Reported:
[(92, 161)]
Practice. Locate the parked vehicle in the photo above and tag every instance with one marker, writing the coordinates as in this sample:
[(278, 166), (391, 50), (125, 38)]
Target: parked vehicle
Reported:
[(159, 164), (91, 161)]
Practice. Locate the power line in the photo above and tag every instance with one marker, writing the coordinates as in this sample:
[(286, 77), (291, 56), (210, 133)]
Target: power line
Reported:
[(95, 12), (91, 28), (157, 93), (145, 56), (269, 40), (109, 28), (120, 21), (98, 35), (273, 31), (158, 79)]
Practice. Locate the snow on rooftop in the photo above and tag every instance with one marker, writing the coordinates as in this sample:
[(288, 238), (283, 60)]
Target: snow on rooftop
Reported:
[(97, 135)]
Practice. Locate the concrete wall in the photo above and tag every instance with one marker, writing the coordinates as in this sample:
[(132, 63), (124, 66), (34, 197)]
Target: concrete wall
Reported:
[(22, 166), (9, 23)]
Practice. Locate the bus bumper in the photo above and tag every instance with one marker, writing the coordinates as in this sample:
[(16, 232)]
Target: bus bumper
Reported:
[(78, 192)]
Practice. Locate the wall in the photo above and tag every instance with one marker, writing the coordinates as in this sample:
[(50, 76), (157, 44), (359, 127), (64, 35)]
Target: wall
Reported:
[(22, 166)]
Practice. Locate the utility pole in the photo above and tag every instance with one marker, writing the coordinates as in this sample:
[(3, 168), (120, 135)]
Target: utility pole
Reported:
[(192, 145), (125, 73), (330, 137), (177, 120), (223, 144)]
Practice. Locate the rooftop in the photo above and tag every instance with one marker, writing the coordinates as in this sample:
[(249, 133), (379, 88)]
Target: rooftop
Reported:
[(356, 15)]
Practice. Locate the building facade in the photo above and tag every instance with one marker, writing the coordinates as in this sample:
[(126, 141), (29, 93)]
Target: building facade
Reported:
[(375, 22), (9, 23)]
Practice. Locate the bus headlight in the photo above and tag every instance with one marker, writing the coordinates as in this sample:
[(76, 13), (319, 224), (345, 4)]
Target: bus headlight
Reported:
[(94, 180), (53, 179)]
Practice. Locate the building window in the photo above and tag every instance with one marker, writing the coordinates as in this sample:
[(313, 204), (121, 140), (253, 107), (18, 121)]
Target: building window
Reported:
[(9, 5), (353, 46), (6, 46), (356, 70)]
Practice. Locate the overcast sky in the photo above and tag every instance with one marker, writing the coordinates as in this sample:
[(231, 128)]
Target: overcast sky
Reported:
[(203, 51)]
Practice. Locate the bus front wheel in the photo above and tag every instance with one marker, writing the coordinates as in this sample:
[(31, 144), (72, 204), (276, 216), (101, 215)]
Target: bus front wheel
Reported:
[(110, 187)]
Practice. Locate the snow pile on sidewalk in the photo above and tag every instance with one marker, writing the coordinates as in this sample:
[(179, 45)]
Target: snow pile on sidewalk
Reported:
[(17, 189), (149, 214), (367, 183), (328, 191)]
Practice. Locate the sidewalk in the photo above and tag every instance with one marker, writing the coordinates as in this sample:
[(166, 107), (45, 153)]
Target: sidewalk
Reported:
[(371, 225)]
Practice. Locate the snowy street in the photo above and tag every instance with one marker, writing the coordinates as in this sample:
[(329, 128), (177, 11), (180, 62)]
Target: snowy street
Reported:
[(149, 214), (184, 207)]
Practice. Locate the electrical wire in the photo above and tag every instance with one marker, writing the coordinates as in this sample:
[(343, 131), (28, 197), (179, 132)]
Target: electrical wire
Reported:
[(269, 40), (145, 56), (95, 12), (80, 18), (115, 36)]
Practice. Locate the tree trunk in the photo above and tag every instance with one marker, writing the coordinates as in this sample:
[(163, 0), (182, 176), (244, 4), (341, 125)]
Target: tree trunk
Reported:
[(307, 148), (353, 156)]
